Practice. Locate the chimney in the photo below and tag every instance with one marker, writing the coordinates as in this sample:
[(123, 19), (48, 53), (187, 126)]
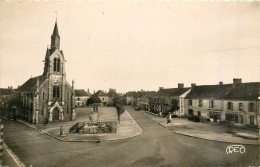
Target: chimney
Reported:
[(160, 88), (193, 85), (88, 90), (180, 85), (94, 91), (236, 81), (220, 83)]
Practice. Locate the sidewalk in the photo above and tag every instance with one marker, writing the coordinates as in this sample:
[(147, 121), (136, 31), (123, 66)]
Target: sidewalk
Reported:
[(126, 129), (210, 131)]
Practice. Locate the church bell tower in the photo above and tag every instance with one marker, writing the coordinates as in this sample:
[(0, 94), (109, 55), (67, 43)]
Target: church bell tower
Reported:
[(55, 38)]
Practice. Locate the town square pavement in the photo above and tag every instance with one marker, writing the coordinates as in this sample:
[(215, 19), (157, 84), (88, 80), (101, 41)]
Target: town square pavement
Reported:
[(155, 146), (209, 130)]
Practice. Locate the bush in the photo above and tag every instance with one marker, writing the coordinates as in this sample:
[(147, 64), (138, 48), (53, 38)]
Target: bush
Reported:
[(194, 118)]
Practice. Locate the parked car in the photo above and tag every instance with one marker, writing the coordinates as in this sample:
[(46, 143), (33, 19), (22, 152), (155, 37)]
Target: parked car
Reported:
[(194, 118), (137, 109)]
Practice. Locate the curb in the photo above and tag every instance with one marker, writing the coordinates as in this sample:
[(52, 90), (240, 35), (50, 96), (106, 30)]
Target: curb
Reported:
[(208, 139), (15, 158), (152, 113), (132, 135), (57, 138), (97, 141)]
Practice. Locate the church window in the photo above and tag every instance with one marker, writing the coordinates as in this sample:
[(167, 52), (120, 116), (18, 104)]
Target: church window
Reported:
[(42, 95), (56, 91), (58, 65), (55, 64)]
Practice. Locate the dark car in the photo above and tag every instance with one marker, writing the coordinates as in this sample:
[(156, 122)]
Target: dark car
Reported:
[(137, 109)]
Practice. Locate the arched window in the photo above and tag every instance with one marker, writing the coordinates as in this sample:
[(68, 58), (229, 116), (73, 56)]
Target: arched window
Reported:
[(42, 95), (56, 91), (58, 65)]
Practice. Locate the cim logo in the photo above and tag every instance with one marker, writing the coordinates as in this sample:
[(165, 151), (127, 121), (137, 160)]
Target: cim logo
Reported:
[(235, 149)]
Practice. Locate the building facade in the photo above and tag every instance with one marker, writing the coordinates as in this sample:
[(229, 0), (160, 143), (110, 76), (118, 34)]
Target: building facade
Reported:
[(165, 99), (81, 97), (4, 94), (111, 95), (103, 97), (48, 97), (237, 102), (144, 98)]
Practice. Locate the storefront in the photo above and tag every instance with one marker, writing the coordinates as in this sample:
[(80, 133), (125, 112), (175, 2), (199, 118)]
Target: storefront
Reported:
[(215, 115), (232, 117)]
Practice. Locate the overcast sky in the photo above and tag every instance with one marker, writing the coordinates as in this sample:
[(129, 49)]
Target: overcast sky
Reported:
[(133, 45)]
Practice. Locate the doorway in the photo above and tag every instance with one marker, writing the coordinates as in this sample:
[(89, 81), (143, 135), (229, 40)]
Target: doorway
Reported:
[(55, 114)]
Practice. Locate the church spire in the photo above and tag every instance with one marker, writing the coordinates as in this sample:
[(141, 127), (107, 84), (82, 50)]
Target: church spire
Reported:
[(55, 37)]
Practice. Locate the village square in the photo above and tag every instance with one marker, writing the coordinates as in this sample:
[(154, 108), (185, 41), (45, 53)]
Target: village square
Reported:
[(49, 120)]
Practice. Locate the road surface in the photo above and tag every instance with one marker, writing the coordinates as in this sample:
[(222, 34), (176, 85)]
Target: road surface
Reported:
[(155, 146)]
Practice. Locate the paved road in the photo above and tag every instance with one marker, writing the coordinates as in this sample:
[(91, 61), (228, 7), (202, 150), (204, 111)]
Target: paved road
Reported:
[(156, 146)]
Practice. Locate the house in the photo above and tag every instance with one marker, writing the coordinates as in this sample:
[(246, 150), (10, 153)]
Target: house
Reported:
[(130, 98), (165, 99), (206, 100), (48, 97), (111, 95), (4, 94), (143, 100), (241, 104), (237, 102), (81, 97), (103, 97)]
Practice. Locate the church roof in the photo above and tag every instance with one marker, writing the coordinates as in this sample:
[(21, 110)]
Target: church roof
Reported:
[(31, 84)]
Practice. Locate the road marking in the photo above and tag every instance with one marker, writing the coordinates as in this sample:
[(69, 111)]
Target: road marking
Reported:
[(16, 159)]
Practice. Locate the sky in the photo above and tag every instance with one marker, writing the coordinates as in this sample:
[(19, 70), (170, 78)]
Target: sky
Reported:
[(130, 45)]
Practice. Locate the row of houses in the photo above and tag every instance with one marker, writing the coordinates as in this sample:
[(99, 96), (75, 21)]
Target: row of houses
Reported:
[(81, 96), (236, 102)]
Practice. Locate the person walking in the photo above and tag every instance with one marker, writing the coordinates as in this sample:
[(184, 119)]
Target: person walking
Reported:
[(169, 118)]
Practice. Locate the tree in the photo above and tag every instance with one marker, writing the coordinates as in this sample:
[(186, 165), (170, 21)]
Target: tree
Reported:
[(118, 104), (92, 100), (174, 107)]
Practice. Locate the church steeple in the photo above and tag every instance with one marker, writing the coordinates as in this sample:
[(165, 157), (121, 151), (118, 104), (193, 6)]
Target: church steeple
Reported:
[(55, 37)]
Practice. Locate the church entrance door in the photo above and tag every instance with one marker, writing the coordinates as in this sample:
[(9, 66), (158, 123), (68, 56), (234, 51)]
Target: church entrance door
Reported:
[(55, 114)]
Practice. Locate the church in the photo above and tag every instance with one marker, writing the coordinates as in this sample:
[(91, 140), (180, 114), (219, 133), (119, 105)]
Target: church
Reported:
[(48, 97)]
